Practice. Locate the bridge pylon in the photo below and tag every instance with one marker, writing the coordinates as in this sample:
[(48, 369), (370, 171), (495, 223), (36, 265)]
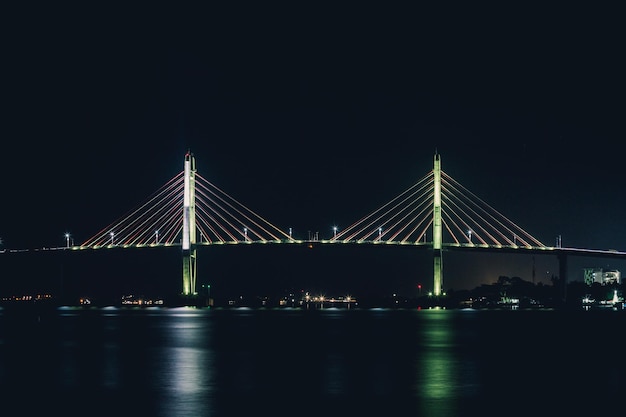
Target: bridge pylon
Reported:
[(437, 229), (189, 227)]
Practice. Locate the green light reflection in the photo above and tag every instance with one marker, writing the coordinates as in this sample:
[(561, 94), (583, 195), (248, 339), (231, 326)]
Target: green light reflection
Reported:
[(443, 375)]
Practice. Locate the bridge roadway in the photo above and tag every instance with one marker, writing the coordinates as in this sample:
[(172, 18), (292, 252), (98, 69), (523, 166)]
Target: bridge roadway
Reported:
[(542, 250)]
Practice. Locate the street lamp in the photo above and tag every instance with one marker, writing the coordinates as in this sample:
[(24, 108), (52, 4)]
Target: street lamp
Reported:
[(469, 236), (111, 234), (156, 234), (245, 233), (380, 233), (334, 231), (67, 240)]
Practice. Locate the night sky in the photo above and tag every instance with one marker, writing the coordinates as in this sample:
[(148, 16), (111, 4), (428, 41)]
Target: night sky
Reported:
[(315, 117)]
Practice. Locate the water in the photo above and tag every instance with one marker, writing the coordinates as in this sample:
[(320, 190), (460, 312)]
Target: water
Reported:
[(330, 362)]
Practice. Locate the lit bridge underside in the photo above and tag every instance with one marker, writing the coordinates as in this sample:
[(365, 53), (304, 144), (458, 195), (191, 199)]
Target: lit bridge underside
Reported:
[(418, 245), (599, 253)]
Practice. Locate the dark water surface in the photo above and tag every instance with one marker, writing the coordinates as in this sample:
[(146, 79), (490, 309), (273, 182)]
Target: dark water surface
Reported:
[(330, 362)]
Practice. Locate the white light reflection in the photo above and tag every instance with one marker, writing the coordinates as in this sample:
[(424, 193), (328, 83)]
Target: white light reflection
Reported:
[(186, 365)]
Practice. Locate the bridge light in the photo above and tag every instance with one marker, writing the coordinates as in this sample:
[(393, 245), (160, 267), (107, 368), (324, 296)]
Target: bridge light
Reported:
[(380, 233), (112, 235), (156, 234), (334, 231), (469, 235)]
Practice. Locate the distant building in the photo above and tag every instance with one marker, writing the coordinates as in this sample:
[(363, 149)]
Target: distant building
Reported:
[(604, 277)]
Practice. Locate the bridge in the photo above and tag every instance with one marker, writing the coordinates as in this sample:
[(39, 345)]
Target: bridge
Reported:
[(436, 214)]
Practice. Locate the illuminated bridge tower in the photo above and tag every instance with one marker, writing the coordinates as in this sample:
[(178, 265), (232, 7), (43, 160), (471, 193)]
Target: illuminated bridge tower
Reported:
[(437, 230), (189, 227)]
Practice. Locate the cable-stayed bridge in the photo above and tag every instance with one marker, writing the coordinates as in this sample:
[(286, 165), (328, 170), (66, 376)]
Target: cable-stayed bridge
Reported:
[(436, 213)]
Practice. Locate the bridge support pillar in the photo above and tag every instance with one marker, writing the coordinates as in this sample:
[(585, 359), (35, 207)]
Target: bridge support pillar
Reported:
[(189, 272), (563, 276), (437, 229), (189, 227), (437, 274)]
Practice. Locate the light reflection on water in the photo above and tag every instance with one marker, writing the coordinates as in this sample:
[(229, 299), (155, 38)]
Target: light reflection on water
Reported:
[(437, 364), (201, 362), (183, 368), (446, 371)]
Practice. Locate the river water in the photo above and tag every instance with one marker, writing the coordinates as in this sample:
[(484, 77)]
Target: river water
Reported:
[(325, 362)]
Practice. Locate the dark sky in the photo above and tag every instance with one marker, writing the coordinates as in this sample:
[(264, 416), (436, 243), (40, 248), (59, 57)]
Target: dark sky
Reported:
[(313, 117)]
